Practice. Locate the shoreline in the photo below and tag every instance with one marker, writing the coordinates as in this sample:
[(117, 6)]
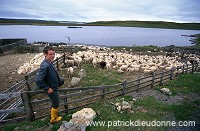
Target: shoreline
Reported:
[(144, 24)]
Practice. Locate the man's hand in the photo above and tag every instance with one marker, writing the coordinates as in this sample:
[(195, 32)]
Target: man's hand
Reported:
[(50, 90)]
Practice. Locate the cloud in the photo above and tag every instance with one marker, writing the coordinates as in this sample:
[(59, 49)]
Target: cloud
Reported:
[(99, 10)]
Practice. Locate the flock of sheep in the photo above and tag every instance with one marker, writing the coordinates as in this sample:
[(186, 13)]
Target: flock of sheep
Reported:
[(33, 64), (124, 61), (107, 58)]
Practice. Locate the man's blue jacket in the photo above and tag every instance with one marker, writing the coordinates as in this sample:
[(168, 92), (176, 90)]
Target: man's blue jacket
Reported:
[(47, 76)]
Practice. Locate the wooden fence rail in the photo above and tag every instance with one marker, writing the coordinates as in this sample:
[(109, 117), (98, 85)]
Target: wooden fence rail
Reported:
[(36, 105)]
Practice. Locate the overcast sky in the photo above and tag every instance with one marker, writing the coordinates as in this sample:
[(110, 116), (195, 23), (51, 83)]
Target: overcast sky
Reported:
[(102, 10)]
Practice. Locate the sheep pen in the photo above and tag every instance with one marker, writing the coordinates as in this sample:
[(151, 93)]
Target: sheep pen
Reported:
[(15, 66), (8, 68)]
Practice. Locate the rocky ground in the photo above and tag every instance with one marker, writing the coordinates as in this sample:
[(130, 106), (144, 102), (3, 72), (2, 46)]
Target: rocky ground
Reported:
[(9, 65)]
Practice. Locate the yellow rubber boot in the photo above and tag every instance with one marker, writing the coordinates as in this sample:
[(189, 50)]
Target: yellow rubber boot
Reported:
[(54, 116)]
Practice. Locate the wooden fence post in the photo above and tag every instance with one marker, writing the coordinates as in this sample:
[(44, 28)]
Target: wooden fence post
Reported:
[(27, 84), (187, 68), (66, 104), (57, 64), (64, 57), (138, 84), (153, 78), (161, 78), (192, 67), (183, 69), (123, 88), (28, 107), (171, 74), (103, 91), (197, 67)]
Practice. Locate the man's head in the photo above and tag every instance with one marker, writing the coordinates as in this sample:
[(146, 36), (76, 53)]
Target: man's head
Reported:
[(49, 53)]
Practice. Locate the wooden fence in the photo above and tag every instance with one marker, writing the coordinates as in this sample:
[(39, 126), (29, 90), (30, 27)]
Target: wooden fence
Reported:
[(27, 84), (63, 49), (12, 46), (35, 104)]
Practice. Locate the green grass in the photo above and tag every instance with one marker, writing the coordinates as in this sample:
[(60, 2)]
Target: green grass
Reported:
[(97, 76), (185, 111), (138, 48), (186, 84)]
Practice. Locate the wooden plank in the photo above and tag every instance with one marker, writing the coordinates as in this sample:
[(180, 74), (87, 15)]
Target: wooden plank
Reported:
[(10, 95), (144, 82), (132, 81), (14, 110), (32, 73), (80, 88), (41, 116), (131, 86), (81, 93), (113, 91), (30, 81), (82, 99), (42, 108), (36, 92), (13, 120), (40, 101)]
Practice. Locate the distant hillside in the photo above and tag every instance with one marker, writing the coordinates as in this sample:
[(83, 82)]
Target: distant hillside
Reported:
[(147, 24), (4, 21)]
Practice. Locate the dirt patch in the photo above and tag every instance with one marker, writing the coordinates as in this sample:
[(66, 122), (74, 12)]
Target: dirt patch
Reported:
[(9, 65), (178, 99)]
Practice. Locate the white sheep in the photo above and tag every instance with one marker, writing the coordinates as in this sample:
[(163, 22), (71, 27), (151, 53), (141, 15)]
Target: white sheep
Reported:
[(94, 62), (123, 67), (77, 60), (108, 65), (70, 71), (69, 62), (131, 69), (33, 64)]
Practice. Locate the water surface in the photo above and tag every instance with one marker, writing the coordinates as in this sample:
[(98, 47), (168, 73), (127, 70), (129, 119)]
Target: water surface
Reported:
[(99, 35)]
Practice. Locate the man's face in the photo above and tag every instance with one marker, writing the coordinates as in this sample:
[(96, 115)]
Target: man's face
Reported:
[(50, 55)]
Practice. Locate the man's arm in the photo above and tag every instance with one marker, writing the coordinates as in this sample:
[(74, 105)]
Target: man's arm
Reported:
[(40, 78)]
